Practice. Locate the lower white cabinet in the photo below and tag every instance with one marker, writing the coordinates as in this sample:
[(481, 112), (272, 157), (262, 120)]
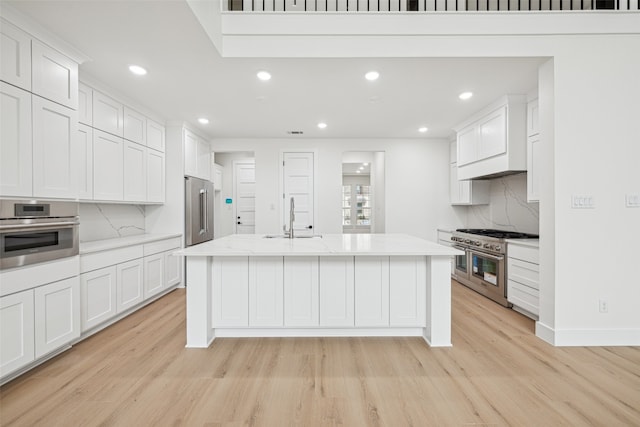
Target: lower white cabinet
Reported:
[(98, 290), (57, 315), (153, 274), (266, 291), (372, 291), (172, 269), (407, 290), (301, 291), (230, 291), (130, 284), (337, 291), (16, 331), (523, 279)]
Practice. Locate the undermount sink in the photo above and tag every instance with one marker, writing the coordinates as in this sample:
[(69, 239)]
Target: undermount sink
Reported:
[(282, 236)]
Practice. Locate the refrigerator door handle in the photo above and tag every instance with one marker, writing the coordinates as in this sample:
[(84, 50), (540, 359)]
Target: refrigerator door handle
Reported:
[(206, 211), (202, 211)]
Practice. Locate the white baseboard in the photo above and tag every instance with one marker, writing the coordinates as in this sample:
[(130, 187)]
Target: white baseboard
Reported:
[(588, 337)]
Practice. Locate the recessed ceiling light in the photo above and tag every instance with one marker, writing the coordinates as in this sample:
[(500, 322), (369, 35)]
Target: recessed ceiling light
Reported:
[(361, 168), (322, 125), (423, 129), (137, 70), (357, 171), (264, 75), (365, 164), (465, 95), (372, 75), (203, 120)]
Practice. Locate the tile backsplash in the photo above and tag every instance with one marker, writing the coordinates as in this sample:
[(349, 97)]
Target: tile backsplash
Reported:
[(508, 208), (106, 221)]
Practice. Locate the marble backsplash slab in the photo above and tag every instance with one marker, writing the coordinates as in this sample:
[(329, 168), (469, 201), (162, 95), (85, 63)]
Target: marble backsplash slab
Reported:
[(508, 208), (107, 221)]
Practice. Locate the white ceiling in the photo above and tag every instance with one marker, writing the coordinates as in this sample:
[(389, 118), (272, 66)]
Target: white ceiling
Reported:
[(188, 79)]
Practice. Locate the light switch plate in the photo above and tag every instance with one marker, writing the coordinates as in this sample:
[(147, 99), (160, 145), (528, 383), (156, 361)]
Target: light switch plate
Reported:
[(633, 200), (582, 202)]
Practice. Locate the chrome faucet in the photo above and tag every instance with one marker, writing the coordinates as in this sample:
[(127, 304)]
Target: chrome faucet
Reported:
[(292, 217)]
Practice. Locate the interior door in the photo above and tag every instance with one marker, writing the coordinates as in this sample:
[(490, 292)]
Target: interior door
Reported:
[(245, 196), (298, 183)]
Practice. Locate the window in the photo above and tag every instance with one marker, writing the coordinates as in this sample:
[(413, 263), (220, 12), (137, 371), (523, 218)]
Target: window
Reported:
[(356, 208)]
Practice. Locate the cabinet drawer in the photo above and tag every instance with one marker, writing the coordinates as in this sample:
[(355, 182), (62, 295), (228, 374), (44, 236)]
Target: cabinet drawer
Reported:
[(523, 272), (525, 253), (103, 259), (161, 246), (523, 296)]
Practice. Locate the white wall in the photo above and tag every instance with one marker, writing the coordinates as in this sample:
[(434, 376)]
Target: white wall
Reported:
[(416, 176)]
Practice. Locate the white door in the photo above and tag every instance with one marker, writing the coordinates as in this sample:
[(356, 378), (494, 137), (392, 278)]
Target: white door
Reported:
[(245, 195), (298, 177)]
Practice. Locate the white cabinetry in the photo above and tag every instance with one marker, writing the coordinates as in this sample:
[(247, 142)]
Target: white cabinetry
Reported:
[(197, 156), (153, 274), (135, 126), (16, 331), (218, 172), (534, 166), (15, 140), (155, 135), (493, 141), (523, 278), (301, 291), (130, 284), (407, 290), (108, 114), (155, 176), (266, 291), (465, 192), (53, 75), (98, 290), (372, 291), (337, 291), (57, 315), (84, 151), (135, 172), (230, 291), (85, 104), (172, 268), (15, 59), (54, 156), (108, 166)]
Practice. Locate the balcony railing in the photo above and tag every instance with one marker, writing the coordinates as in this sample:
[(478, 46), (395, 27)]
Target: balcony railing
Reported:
[(425, 5)]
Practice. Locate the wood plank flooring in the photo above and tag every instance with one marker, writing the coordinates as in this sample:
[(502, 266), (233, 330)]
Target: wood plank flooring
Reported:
[(138, 373)]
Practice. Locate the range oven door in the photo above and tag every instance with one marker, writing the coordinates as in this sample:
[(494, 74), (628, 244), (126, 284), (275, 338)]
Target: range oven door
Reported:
[(488, 270), (461, 264)]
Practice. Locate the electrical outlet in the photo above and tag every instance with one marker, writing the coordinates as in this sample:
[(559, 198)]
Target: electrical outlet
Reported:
[(633, 200), (604, 306), (582, 202)]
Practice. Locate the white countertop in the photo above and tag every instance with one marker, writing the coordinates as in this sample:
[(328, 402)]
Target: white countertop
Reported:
[(532, 243), (121, 242), (328, 245)]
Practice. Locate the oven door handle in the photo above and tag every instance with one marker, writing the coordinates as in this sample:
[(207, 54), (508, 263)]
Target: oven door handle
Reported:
[(40, 225), (461, 248), (493, 257)]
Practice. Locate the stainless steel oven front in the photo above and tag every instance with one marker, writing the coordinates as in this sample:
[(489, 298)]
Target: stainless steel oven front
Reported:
[(487, 271), (34, 231), (461, 264)]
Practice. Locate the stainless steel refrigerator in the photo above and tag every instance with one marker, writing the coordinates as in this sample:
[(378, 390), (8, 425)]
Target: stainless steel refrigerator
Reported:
[(198, 210)]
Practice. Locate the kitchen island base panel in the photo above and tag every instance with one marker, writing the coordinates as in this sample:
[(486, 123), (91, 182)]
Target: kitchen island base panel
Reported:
[(200, 334), (438, 330)]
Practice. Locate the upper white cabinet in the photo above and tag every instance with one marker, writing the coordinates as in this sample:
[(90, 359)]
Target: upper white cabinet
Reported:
[(534, 166), (155, 176), (54, 76), (218, 172), (55, 161), (135, 126), (15, 56), (108, 166), (57, 314), (466, 192), (135, 172), (15, 141), (85, 104), (84, 151), (197, 156), (108, 114), (493, 141), (155, 135)]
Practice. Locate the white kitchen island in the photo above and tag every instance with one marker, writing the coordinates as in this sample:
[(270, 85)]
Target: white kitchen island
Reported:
[(334, 285)]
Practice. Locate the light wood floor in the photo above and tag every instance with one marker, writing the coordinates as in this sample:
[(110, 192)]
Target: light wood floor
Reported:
[(138, 373)]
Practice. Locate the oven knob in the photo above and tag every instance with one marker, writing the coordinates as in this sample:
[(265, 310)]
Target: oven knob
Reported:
[(467, 241), (487, 246), (497, 248), (478, 243)]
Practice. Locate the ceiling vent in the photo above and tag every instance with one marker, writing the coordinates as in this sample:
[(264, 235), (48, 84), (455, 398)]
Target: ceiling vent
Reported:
[(295, 132)]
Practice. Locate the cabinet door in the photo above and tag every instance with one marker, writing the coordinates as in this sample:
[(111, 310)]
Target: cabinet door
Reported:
[(217, 178), (230, 291), (155, 135), (204, 160), (15, 141), (15, 56), (266, 291), (57, 315), (172, 269), (84, 150), (85, 104), (407, 291), (108, 114), (153, 274), (130, 284), (98, 293), (55, 160), (454, 184), (467, 146), (190, 154), (108, 165), (16, 331), (155, 176), (301, 299), (135, 126), (53, 75), (336, 291), (493, 134), (533, 121), (135, 172), (534, 166), (372, 291)]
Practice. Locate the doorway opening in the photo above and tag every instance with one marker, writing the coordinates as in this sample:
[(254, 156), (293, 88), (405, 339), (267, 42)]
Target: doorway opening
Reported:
[(363, 192), (234, 204)]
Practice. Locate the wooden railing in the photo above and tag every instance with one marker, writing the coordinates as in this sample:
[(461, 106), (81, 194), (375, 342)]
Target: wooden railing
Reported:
[(425, 5)]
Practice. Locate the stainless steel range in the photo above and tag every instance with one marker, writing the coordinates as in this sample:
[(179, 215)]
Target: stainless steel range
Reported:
[(483, 266)]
